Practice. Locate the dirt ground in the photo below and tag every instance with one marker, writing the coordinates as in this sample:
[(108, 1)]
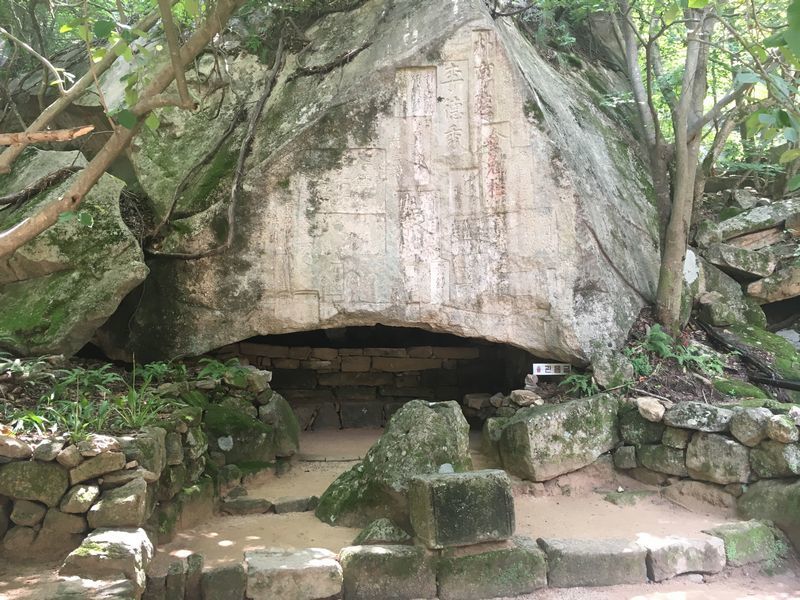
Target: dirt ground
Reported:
[(541, 511)]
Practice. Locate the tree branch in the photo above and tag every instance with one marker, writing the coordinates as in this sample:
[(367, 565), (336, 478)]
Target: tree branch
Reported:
[(174, 45), (39, 186), (55, 135), (9, 155), (32, 226), (39, 57)]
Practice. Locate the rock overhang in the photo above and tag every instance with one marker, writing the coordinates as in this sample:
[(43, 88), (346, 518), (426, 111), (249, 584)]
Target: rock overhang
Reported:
[(446, 177)]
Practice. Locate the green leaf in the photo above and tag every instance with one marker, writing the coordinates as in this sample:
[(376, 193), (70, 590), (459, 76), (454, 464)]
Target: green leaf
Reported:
[(126, 118), (192, 7), (102, 29), (793, 184), (746, 77), (66, 217), (775, 40), (789, 156), (85, 218), (152, 121), (66, 27), (792, 38), (698, 3), (131, 97), (790, 134)]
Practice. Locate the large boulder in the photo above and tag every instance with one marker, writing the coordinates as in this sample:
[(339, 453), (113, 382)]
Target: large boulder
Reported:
[(419, 438), (240, 437), (431, 179), (33, 480), (543, 442), (776, 501), (279, 415), (61, 286)]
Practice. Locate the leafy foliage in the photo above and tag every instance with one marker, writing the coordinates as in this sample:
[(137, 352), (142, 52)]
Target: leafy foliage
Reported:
[(580, 385)]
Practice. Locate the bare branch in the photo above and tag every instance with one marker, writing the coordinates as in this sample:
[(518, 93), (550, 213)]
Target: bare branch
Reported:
[(55, 135), (39, 186), (9, 155), (59, 82), (32, 226), (174, 45)]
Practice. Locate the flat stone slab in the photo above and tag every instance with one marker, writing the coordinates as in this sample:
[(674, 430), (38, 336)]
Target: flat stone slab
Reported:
[(245, 506), (225, 582), (699, 416), (380, 572), (670, 556), (509, 568), (309, 574), (289, 505), (594, 563), (459, 509)]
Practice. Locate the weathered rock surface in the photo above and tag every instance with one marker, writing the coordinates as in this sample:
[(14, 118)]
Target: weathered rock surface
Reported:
[(699, 416), (381, 532), (238, 436), (746, 542), (309, 574), (783, 429), (125, 506), (419, 169), (32, 480), (61, 286), (755, 219), (542, 442), (279, 415), (776, 501), (749, 425), (379, 572), (593, 563), (741, 261), (224, 582), (650, 408), (460, 509), (634, 429), (717, 458), (96, 466), (107, 553), (11, 447), (510, 569), (673, 555), (419, 438), (775, 459), (27, 513), (663, 459)]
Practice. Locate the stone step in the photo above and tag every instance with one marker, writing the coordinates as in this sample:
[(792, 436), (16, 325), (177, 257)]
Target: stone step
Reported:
[(595, 563)]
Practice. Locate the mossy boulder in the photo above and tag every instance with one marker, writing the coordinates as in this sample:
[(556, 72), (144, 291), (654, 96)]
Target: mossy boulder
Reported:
[(776, 501), (33, 480), (490, 437), (380, 572), (749, 425), (747, 542), (381, 531), (238, 436), (698, 416), (542, 442), (419, 438), (61, 286), (736, 388), (279, 415), (509, 569)]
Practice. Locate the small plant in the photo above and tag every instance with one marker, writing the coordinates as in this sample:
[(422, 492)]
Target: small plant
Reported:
[(658, 341), (80, 417), (640, 361), (28, 421), (580, 385), (139, 406), (81, 382), (693, 357), (164, 371), (231, 371)]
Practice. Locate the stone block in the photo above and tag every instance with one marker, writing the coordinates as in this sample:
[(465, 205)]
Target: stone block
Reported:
[(286, 363), (459, 509), (43, 482), (650, 408), (27, 513), (361, 414), (293, 504), (351, 351), (194, 574), (625, 457), (420, 352), (783, 429), (308, 574), (355, 393), (125, 506), (175, 587), (594, 563), (47, 450), (320, 365), (508, 568), (699, 416), (676, 438), (380, 532), (461, 353), (386, 352), (19, 540), (717, 458), (174, 448), (663, 459), (96, 466), (109, 553), (156, 587), (380, 572), (542, 442), (490, 437), (746, 542), (356, 364), (315, 395), (635, 429), (699, 491), (225, 582), (286, 430), (245, 506), (13, 448), (324, 353), (61, 522), (749, 425), (240, 437), (771, 459), (263, 350), (148, 448), (397, 365), (303, 352), (327, 417), (670, 556), (70, 457)]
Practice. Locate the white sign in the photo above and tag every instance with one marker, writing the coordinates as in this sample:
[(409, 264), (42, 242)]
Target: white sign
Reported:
[(540, 369)]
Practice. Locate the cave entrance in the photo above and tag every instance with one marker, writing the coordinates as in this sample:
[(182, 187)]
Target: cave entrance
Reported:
[(354, 377)]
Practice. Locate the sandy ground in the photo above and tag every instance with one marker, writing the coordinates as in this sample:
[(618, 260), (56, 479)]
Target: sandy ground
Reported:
[(540, 512)]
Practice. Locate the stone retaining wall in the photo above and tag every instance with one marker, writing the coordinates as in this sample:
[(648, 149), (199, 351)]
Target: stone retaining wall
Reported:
[(332, 388)]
